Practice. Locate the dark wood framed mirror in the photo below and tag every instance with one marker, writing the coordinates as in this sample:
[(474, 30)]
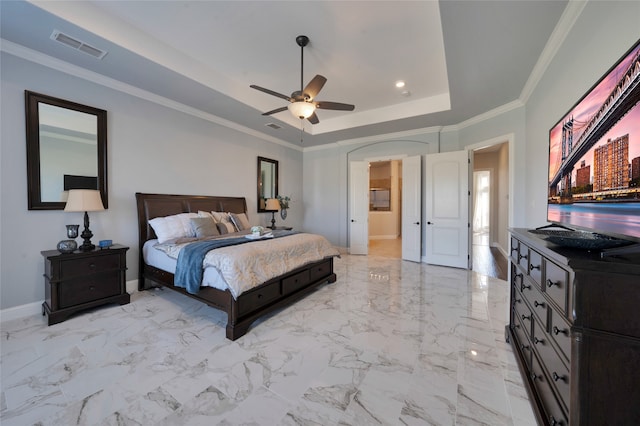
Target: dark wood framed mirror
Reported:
[(66, 149), (267, 181)]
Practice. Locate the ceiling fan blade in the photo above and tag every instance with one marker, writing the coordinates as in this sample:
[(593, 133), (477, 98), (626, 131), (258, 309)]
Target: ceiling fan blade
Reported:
[(271, 92), (284, 108), (313, 119), (335, 105), (314, 86)]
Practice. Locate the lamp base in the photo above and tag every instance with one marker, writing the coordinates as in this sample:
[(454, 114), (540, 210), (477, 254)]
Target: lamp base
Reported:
[(86, 235), (273, 220)]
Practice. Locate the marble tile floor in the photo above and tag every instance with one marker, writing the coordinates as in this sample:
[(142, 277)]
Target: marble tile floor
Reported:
[(391, 343)]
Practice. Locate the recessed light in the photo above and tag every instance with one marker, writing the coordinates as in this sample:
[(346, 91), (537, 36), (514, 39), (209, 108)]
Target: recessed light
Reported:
[(399, 84)]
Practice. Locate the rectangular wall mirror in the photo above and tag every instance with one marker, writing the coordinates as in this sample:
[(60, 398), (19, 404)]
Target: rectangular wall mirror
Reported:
[(66, 149), (267, 181)]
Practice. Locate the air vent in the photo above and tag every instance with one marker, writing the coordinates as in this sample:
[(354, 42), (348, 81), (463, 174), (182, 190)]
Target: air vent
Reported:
[(77, 44), (273, 126)]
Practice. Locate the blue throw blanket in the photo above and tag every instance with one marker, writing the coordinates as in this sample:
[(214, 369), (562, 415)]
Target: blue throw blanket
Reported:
[(189, 269)]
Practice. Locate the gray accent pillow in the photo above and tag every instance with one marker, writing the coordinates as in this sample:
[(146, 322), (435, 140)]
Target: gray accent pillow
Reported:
[(225, 228), (240, 221), (204, 227)]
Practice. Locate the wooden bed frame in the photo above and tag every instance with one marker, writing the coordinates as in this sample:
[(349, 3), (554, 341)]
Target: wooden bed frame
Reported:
[(250, 305)]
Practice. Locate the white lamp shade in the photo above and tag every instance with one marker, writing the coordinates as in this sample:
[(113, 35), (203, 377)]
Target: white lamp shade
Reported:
[(272, 205), (84, 200), (302, 109)]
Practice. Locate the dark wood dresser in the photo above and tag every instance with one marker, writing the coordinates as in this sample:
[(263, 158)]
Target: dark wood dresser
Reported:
[(575, 330), (82, 280)]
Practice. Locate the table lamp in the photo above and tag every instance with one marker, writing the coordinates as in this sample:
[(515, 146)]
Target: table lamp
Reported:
[(273, 205), (84, 200)]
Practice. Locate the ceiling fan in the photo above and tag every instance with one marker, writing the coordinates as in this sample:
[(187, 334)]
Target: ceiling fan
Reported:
[(301, 103)]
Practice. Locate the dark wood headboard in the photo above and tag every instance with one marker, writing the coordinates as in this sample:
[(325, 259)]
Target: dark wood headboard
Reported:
[(159, 205)]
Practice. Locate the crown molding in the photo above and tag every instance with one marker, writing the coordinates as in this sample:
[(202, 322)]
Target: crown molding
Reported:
[(563, 27), (67, 68)]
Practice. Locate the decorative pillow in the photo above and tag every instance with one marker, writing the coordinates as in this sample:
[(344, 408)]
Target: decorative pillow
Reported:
[(205, 214), (225, 228), (175, 226), (221, 217), (240, 221), (204, 227)]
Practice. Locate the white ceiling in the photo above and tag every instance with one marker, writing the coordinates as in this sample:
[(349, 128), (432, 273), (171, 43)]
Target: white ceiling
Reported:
[(459, 59)]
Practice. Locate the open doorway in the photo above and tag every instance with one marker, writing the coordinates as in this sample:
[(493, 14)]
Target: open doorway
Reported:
[(385, 208), (490, 213)]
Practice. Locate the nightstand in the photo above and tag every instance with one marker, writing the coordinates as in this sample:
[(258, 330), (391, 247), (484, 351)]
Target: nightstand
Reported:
[(83, 280)]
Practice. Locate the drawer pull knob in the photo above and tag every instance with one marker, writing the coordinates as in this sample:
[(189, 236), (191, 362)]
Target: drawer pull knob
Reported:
[(532, 267), (523, 287), (92, 288), (526, 317), (523, 346), (536, 304), (517, 301), (92, 266), (521, 256), (556, 377), (557, 331), (259, 296), (536, 340), (534, 376), (514, 249), (551, 283), (553, 421)]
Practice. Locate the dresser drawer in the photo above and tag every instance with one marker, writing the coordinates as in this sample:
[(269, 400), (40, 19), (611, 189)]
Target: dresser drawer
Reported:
[(522, 340), (523, 314), (552, 409), (88, 265), (515, 247), (536, 301), (558, 372), (560, 333), (535, 267), (523, 257), (321, 270), (556, 284), (295, 282), (259, 297), (88, 289)]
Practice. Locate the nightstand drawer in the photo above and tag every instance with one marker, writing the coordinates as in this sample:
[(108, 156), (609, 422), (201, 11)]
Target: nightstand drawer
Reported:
[(90, 288), (88, 265)]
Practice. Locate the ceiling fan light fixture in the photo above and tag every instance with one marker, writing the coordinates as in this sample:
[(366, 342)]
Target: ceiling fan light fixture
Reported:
[(302, 109)]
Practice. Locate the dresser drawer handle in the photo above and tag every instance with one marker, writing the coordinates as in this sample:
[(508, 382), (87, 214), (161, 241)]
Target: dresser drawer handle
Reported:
[(523, 346), (259, 295), (553, 421), (556, 377), (536, 340), (525, 317), (534, 376), (532, 267), (536, 304), (523, 286), (92, 266), (557, 331), (551, 283), (521, 256), (91, 288), (514, 249), (517, 301)]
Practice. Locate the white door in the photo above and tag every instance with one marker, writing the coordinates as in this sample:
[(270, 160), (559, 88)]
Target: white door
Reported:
[(447, 204), (359, 207), (412, 208)]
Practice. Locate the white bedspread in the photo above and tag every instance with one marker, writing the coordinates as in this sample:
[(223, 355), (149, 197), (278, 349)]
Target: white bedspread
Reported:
[(245, 266)]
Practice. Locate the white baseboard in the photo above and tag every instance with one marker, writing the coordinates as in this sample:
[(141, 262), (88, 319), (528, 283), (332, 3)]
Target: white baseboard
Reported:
[(35, 308)]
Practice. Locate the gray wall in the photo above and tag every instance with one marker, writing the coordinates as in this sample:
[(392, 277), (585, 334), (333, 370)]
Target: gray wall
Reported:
[(150, 149)]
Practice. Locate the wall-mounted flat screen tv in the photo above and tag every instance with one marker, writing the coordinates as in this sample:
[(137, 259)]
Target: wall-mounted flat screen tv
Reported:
[(594, 156)]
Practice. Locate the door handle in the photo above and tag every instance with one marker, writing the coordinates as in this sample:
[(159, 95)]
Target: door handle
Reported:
[(430, 223), (416, 223), (352, 220)]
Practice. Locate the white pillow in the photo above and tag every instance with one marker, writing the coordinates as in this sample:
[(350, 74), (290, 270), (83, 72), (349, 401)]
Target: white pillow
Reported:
[(175, 226)]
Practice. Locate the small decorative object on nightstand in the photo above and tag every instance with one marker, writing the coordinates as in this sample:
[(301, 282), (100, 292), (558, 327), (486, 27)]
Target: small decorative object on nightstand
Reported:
[(83, 280)]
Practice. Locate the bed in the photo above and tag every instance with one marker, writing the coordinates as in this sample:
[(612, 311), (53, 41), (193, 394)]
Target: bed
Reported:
[(246, 307)]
